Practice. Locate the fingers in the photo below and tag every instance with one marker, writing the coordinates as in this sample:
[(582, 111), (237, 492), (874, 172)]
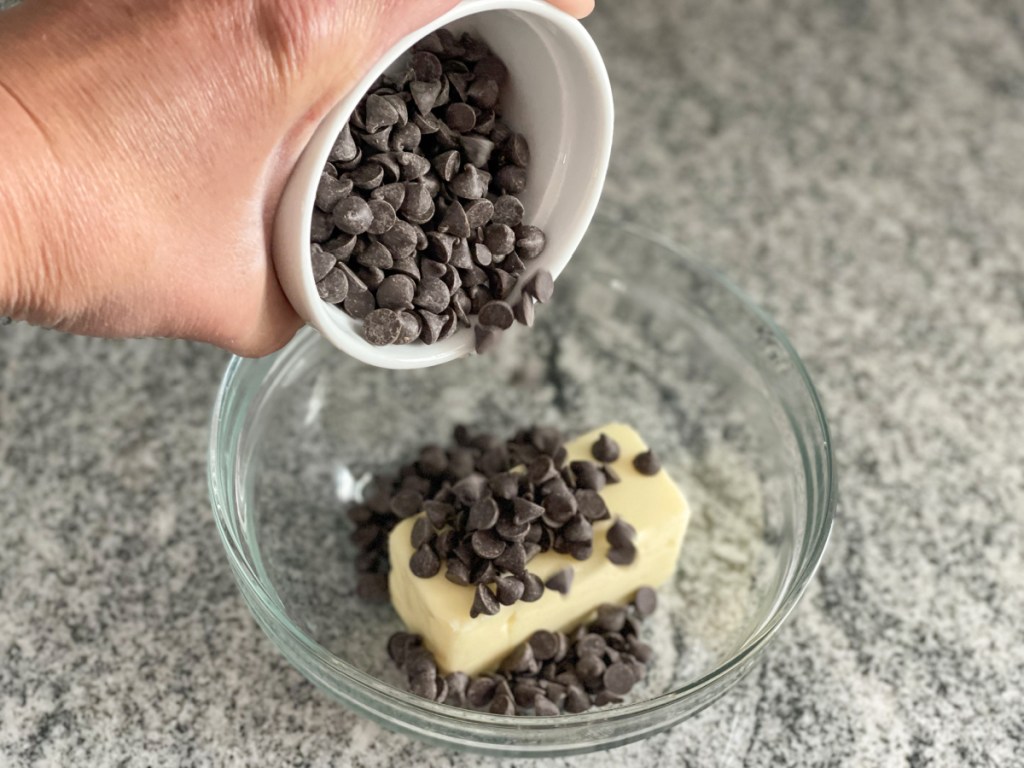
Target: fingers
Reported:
[(578, 8)]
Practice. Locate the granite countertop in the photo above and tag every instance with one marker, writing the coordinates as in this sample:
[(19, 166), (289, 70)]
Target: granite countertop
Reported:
[(855, 166)]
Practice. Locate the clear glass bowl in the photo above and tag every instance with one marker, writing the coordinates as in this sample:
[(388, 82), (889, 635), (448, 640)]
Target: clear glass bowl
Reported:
[(639, 333)]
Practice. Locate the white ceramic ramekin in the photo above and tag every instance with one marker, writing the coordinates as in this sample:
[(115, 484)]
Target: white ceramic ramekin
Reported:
[(558, 96)]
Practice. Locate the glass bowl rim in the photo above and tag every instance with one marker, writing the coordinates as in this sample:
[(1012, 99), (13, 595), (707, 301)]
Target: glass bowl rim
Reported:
[(257, 594)]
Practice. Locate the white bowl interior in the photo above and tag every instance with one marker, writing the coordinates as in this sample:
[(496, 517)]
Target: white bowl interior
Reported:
[(558, 96)]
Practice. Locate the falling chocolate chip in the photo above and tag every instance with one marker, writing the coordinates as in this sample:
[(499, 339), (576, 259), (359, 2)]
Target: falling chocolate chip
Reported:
[(541, 286), (560, 581)]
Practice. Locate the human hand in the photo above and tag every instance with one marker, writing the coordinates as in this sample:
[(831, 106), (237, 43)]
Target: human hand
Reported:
[(146, 144)]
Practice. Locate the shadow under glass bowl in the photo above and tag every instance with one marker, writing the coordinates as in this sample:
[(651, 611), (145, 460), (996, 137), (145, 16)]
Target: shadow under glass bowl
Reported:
[(638, 333)]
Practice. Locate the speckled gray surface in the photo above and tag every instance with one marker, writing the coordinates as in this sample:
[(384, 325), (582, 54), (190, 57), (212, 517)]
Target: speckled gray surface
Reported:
[(858, 168)]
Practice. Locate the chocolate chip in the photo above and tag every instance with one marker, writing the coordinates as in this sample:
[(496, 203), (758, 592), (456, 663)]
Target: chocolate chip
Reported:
[(544, 644), (541, 469), (369, 176), (422, 533), (396, 292), (513, 558), (344, 149), (533, 588), (412, 166), (605, 449), (381, 327), (610, 618), (578, 530), (486, 339), (333, 288), (511, 180), (455, 222), (380, 113), (524, 311), (590, 644), (619, 679), (482, 571), (622, 555), (405, 138), (504, 486), (482, 515), (561, 581), (484, 602), (588, 476), (424, 563), (591, 505), (399, 644), (424, 685), (492, 67), (417, 203), (487, 544), (469, 488), (508, 211), (479, 212), (645, 601), (458, 573), (462, 258), (503, 704), (371, 277), (530, 243), (497, 314), (392, 194), (330, 191), (477, 149), (591, 669), (576, 700), (480, 691), (432, 324), (483, 92), (469, 185), (510, 531), (621, 533), (509, 589), (560, 506), (321, 227), (457, 684), (433, 270), (401, 239), (460, 117), (526, 511), (499, 238), (375, 256), (647, 463), (603, 698), (516, 151), (424, 95), (426, 66), (520, 660), (432, 295)]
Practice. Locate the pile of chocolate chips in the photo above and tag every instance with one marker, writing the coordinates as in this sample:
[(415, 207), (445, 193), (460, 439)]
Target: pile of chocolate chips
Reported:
[(417, 224), (484, 523), (552, 672)]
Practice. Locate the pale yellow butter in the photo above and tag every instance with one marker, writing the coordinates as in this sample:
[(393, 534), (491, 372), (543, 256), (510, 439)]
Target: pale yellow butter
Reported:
[(438, 610)]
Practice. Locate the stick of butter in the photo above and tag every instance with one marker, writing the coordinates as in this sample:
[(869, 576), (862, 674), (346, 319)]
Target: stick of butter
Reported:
[(438, 610)]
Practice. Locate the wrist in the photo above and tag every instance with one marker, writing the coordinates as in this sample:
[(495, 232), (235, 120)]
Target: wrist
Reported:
[(27, 158)]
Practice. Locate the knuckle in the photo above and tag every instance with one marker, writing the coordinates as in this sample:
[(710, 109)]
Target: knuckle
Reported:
[(287, 29)]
